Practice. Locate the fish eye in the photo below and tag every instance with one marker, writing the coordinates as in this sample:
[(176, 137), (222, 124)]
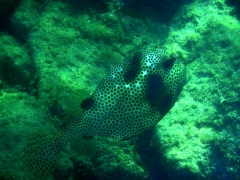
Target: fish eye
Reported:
[(87, 103), (169, 62)]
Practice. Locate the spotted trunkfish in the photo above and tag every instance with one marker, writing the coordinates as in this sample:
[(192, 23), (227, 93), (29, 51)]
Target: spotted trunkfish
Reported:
[(134, 96)]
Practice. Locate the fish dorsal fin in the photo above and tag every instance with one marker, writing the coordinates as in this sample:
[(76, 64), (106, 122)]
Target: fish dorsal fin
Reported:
[(84, 146), (78, 101)]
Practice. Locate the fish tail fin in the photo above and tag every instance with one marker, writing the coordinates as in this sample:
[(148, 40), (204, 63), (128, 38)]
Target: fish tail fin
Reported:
[(41, 154)]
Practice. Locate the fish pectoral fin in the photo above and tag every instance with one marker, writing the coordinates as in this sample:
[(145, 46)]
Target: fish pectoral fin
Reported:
[(84, 146), (77, 101)]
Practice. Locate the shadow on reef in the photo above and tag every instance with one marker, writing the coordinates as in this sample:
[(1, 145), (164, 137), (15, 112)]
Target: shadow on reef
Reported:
[(236, 4), (13, 75), (226, 165), (158, 166), (160, 10), (91, 5), (7, 8)]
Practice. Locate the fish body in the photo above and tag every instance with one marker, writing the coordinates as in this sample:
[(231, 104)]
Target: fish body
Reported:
[(134, 96)]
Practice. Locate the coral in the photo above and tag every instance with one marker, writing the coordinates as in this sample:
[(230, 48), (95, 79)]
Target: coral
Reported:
[(206, 135), (188, 134)]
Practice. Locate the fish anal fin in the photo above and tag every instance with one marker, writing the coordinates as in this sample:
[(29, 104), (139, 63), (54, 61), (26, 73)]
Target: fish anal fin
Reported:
[(84, 146)]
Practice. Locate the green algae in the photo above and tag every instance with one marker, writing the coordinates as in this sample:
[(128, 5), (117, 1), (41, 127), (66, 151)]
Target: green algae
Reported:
[(69, 50)]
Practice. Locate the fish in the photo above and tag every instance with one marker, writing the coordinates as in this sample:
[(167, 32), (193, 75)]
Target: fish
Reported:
[(134, 96)]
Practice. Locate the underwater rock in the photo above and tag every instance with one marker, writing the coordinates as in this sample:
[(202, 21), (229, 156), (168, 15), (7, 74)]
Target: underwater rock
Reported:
[(21, 115), (63, 170), (16, 67)]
